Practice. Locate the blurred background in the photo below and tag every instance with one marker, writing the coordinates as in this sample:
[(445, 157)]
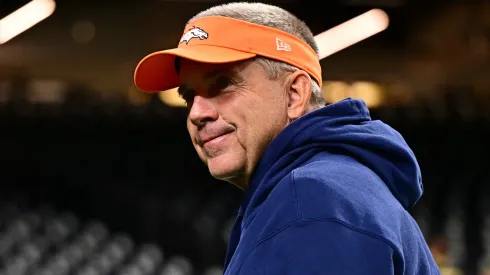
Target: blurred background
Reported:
[(98, 178)]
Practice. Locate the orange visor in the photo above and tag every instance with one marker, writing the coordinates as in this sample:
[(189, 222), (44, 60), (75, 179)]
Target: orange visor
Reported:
[(217, 39)]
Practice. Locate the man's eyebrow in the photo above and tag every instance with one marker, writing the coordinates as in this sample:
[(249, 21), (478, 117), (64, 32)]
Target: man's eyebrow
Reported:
[(234, 72), (214, 73)]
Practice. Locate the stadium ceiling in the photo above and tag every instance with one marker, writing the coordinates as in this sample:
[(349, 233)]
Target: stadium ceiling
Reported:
[(99, 43)]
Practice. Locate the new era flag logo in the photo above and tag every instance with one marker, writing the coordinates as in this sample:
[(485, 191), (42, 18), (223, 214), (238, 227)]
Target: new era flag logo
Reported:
[(282, 46)]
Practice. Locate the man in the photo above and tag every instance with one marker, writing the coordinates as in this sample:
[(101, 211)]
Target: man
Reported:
[(326, 189)]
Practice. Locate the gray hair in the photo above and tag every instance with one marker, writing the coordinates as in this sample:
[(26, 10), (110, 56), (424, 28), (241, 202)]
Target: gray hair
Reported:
[(275, 17)]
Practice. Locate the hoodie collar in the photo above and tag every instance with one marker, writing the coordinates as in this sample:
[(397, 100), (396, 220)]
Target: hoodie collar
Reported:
[(344, 125)]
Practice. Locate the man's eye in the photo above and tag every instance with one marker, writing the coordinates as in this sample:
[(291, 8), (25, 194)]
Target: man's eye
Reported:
[(223, 83)]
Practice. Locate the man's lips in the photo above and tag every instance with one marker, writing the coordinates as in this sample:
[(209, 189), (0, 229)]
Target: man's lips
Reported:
[(216, 138), (205, 139)]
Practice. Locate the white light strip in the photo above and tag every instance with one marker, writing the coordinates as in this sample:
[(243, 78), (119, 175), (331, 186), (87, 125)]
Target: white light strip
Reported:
[(24, 18), (351, 32)]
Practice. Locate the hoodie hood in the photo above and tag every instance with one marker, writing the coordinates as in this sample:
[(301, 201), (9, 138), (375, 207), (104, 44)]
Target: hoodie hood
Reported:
[(342, 128)]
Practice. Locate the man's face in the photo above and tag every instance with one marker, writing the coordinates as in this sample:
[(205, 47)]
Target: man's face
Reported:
[(235, 111)]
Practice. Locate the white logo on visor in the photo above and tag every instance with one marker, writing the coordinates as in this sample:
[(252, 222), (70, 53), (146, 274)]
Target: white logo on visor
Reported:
[(282, 46), (195, 32)]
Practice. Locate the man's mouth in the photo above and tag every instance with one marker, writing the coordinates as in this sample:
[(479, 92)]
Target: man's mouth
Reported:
[(215, 139)]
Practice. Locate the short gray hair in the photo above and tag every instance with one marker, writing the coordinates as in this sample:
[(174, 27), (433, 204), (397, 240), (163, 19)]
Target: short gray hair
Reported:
[(275, 17)]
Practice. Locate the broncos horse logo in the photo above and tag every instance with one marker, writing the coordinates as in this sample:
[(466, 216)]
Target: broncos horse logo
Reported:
[(195, 32)]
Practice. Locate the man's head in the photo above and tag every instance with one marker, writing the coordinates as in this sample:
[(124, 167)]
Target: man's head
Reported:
[(274, 17), (237, 108)]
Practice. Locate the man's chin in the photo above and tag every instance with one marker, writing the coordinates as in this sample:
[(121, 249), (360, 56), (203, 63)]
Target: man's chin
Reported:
[(223, 168), (222, 173)]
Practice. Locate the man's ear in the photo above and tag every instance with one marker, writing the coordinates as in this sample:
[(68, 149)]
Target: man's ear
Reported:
[(299, 93)]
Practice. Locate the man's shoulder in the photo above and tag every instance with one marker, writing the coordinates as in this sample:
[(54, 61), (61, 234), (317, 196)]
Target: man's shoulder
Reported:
[(333, 187), (340, 188), (334, 170), (340, 177)]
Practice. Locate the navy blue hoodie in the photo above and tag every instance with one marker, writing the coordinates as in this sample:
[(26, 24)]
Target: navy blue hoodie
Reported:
[(330, 196)]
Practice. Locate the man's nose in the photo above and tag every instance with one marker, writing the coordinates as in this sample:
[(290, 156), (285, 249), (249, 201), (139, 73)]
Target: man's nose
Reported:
[(202, 111)]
